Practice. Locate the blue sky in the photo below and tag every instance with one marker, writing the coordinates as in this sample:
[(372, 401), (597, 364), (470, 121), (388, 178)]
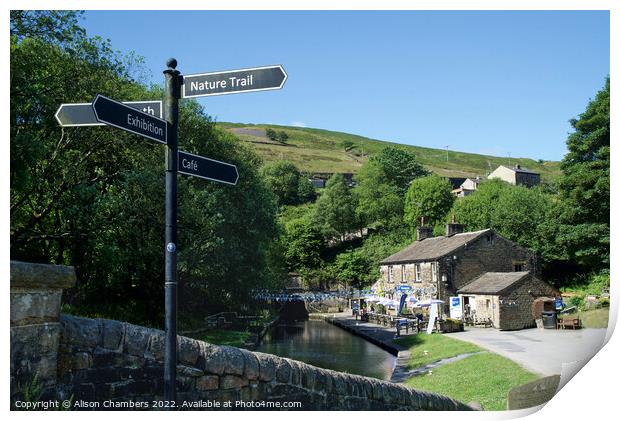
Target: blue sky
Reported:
[(497, 83)]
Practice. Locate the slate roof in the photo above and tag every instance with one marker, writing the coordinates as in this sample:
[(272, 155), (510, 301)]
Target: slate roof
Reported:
[(525, 171), (433, 248), (520, 170), (492, 283), (456, 182)]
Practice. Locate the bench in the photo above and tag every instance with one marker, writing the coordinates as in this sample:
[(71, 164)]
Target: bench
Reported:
[(569, 323)]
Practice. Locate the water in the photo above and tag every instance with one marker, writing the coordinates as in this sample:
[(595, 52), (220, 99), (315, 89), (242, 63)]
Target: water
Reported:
[(324, 345)]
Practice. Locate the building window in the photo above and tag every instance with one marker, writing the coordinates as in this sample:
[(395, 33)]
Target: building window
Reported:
[(418, 272), (402, 274), (434, 270), (390, 274), (518, 266)]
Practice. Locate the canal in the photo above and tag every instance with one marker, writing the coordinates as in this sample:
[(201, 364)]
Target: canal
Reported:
[(324, 345)]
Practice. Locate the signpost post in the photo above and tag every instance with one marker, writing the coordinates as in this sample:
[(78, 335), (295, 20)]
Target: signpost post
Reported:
[(144, 119), (171, 109)]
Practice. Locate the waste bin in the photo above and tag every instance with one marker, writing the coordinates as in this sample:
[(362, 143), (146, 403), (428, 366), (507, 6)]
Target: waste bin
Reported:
[(549, 319)]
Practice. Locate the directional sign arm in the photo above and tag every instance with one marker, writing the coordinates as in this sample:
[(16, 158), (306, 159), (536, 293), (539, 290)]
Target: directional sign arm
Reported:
[(82, 114), (127, 118), (234, 81), (209, 169)]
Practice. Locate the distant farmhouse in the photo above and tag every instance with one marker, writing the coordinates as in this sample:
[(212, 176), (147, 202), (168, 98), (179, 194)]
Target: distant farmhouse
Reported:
[(466, 187), (516, 175), (444, 267), (319, 179)]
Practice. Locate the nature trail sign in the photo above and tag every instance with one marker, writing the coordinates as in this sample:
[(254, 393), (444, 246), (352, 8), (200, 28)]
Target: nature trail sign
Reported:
[(234, 81)]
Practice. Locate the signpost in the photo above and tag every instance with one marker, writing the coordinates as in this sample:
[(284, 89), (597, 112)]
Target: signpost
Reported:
[(144, 119), (81, 115), (234, 81), (124, 117), (209, 169)]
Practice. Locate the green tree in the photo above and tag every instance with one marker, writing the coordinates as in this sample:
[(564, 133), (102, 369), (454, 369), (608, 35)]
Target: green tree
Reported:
[(347, 145), (303, 244), (475, 211), (283, 178), (399, 167), (521, 214), (282, 136), (305, 190), (382, 183), (584, 186), (335, 208), (288, 184), (353, 269), (378, 201), (271, 134), (429, 197), (52, 26)]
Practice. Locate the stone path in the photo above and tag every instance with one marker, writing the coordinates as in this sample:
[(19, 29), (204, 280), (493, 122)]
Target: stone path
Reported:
[(543, 351), (402, 375)]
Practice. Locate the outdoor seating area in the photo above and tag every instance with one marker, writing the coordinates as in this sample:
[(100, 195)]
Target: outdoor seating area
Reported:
[(411, 316), (572, 322), (231, 320), (402, 323)]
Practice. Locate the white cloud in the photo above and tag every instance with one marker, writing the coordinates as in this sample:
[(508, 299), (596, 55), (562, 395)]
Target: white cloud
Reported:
[(298, 124)]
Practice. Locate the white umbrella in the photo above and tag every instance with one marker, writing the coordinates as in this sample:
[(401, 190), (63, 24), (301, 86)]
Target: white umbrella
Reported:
[(372, 299), (427, 303), (411, 299)]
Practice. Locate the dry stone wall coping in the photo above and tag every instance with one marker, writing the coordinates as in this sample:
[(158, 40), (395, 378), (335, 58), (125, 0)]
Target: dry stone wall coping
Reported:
[(37, 275), (112, 359)]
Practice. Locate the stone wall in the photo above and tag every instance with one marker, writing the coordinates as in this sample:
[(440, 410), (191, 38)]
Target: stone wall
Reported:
[(97, 361), (104, 359), (487, 307), (36, 291), (516, 303)]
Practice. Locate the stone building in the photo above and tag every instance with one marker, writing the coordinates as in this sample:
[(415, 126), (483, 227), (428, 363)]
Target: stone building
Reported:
[(516, 175), (504, 298), (437, 267), (467, 187)]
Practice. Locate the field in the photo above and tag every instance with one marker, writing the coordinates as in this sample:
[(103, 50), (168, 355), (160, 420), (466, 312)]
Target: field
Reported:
[(317, 150), (484, 377)]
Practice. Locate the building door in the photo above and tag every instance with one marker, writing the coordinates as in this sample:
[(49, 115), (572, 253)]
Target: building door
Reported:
[(469, 308)]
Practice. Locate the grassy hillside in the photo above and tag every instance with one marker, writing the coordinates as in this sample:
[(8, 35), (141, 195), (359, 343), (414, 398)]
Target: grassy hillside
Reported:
[(317, 150)]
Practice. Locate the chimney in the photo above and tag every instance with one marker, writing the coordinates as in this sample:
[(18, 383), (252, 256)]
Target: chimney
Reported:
[(453, 228), (423, 232)]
